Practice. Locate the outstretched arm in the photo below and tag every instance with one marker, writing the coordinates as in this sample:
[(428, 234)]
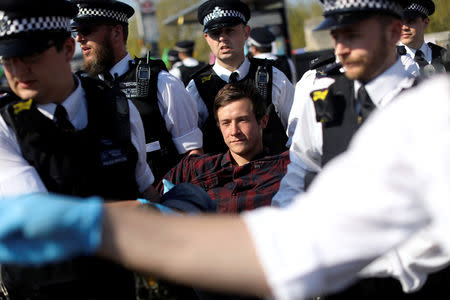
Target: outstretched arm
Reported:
[(213, 252)]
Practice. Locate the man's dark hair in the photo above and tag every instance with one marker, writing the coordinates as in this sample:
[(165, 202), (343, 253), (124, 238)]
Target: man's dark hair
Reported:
[(237, 91)]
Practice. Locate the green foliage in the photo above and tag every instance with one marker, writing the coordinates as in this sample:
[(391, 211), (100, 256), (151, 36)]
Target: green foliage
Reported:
[(440, 20), (297, 14)]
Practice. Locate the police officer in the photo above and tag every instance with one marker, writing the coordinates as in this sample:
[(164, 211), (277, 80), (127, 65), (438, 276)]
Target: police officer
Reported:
[(365, 35), (226, 31), (174, 60), (167, 111), (63, 134), (260, 46), (430, 57), (189, 65)]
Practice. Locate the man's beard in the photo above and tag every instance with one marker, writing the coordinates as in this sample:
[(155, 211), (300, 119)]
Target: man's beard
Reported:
[(102, 61)]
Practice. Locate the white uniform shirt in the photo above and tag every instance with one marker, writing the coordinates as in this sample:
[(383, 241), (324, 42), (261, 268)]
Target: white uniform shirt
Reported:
[(282, 91), (411, 263), (17, 176), (358, 208), (177, 108), (410, 52), (306, 133), (188, 62), (274, 57)]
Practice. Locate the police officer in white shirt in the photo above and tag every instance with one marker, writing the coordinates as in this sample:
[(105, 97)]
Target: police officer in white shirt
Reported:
[(430, 57), (260, 45), (64, 134), (329, 115), (292, 253), (168, 113), (189, 65), (226, 31)]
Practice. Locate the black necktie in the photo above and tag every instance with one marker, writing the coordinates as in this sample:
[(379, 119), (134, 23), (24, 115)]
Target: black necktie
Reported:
[(233, 77), (62, 121), (366, 104), (419, 58)]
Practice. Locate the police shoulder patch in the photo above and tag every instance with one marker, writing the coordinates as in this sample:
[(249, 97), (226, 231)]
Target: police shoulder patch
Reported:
[(21, 106), (319, 95)]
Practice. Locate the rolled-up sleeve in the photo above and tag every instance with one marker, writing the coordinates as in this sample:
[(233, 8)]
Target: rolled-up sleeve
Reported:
[(180, 113)]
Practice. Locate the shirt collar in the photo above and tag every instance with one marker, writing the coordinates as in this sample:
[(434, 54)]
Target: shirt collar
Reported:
[(266, 56), (385, 83), (424, 48), (228, 161), (122, 66), (224, 74), (72, 104)]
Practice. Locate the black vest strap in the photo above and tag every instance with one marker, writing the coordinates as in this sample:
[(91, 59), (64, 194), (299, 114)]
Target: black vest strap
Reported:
[(188, 72), (282, 64), (164, 154)]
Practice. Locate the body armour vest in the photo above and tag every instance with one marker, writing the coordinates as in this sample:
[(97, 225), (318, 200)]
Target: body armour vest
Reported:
[(98, 160), (208, 84), (188, 72), (439, 59), (161, 151), (282, 64), (335, 109)]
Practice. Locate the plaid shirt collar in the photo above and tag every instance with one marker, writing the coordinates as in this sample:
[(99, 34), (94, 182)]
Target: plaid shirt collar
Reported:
[(227, 159)]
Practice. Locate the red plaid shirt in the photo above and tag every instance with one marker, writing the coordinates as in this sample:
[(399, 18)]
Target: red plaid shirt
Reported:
[(234, 188)]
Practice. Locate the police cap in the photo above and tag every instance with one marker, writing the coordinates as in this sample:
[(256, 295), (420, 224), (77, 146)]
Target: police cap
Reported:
[(342, 13), (419, 8), (184, 46), (93, 12), (172, 55), (30, 26), (216, 14), (261, 37)]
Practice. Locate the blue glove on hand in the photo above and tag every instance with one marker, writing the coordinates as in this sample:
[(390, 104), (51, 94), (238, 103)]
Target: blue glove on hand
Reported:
[(167, 185), (41, 228)]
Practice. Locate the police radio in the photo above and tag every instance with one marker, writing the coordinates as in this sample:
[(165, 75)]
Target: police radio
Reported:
[(143, 77), (262, 81)]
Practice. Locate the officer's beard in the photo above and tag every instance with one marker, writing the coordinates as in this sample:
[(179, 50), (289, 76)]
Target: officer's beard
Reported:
[(102, 61)]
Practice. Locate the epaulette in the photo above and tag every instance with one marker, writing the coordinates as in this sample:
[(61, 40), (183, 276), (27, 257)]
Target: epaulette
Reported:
[(401, 50), (322, 61)]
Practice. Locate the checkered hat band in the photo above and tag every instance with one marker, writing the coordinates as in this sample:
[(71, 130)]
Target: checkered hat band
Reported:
[(14, 26), (100, 12), (334, 6), (221, 13), (419, 8)]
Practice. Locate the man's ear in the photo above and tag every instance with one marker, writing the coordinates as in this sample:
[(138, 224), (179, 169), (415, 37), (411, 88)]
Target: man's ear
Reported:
[(117, 32), (426, 21), (246, 31), (264, 121), (69, 49)]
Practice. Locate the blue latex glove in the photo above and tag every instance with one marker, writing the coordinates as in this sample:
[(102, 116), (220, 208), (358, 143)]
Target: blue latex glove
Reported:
[(41, 228), (167, 185)]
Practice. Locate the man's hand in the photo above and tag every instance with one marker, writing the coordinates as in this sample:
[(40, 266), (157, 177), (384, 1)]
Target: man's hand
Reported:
[(40, 228)]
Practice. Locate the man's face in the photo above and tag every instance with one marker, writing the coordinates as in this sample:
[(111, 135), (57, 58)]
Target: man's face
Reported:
[(41, 76), (361, 49), (240, 130), (96, 46), (413, 32), (227, 43)]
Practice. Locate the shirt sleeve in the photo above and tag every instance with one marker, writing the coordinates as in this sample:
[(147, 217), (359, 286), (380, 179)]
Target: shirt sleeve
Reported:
[(144, 176), (358, 208), (201, 106), (17, 176), (282, 95), (305, 142), (179, 112)]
